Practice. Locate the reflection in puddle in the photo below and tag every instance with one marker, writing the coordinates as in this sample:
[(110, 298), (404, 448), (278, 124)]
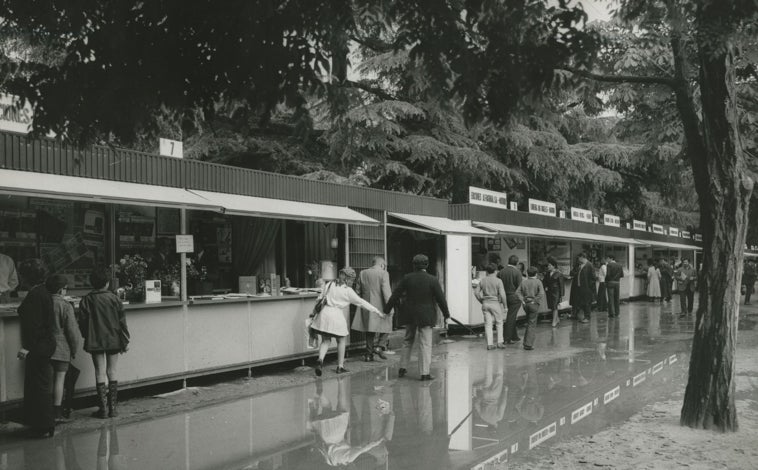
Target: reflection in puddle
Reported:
[(484, 406)]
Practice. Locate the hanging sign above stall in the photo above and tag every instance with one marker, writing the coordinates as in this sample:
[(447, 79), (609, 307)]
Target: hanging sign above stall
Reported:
[(171, 148), (698, 237), (485, 197), (612, 220), (673, 231), (686, 234), (541, 207), (658, 229), (639, 225), (581, 214), (562, 214)]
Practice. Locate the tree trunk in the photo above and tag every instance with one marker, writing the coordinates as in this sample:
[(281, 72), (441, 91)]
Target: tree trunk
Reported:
[(724, 194)]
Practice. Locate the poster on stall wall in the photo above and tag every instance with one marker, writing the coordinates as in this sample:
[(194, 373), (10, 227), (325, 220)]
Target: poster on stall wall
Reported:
[(59, 257), (152, 291)]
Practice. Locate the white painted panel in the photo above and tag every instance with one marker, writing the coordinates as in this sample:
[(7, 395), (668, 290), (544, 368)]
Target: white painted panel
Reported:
[(458, 277)]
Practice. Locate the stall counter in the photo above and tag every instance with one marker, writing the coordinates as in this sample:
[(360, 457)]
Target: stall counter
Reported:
[(175, 340)]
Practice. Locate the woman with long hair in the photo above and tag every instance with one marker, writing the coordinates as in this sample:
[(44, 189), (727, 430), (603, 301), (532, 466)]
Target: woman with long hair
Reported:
[(331, 322)]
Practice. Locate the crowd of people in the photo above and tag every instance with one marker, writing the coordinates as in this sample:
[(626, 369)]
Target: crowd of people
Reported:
[(52, 335)]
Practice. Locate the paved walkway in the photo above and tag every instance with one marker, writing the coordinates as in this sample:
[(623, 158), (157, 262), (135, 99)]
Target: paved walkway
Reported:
[(483, 407)]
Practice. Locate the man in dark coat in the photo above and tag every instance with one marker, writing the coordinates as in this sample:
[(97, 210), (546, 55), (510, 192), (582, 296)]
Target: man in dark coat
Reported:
[(585, 288), (422, 293), (511, 277), (613, 275)]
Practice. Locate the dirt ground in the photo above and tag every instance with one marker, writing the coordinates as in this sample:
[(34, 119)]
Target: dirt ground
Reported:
[(653, 438)]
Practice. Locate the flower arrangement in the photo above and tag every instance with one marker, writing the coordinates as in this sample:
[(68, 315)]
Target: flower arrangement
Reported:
[(131, 271), (170, 277), (196, 272)]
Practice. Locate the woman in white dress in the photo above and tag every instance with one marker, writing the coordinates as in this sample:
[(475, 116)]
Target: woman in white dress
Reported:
[(653, 281), (331, 322)]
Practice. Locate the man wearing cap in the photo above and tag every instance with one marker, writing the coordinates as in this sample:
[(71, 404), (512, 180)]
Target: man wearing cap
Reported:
[(585, 288), (422, 293)]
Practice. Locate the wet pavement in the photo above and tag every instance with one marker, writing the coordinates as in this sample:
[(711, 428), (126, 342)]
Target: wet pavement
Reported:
[(483, 407)]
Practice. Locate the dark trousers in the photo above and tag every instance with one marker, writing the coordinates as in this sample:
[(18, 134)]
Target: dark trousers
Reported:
[(583, 307), (666, 287), (38, 392), (749, 284), (531, 323), (514, 304), (602, 300), (686, 299), (374, 340), (612, 288)]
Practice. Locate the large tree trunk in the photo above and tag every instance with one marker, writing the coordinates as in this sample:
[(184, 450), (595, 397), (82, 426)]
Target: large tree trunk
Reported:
[(724, 195)]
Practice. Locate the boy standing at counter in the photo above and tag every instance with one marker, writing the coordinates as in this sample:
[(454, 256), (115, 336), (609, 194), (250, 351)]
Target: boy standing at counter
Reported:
[(532, 295)]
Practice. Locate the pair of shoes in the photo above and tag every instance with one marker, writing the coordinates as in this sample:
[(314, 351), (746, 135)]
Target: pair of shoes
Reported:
[(584, 320), (341, 370), (516, 339), (401, 372), (318, 368), (490, 347), (427, 377), (500, 346), (380, 354), (528, 348)]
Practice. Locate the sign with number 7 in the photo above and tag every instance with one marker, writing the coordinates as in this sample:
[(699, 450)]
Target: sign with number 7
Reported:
[(171, 148)]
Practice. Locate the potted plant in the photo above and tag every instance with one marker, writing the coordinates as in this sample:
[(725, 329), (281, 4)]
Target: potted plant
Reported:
[(170, 277), (131, 271)]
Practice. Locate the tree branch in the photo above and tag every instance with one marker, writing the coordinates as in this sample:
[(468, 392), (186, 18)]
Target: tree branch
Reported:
[(667, 81), (370, 89)]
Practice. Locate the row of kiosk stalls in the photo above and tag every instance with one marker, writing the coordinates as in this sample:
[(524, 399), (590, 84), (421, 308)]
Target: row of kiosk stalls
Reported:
[(532, 238), (240, 296)]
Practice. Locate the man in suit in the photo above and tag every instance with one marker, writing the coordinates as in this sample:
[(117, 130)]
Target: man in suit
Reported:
[(422, 293), (613, 275), (511, 277), (374, 287), (686, 279), (585, 288)]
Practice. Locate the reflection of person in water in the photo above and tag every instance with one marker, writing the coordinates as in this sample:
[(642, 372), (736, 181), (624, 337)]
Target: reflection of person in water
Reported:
[(529, 405), (330, 423), (108, 456), (490, 394)]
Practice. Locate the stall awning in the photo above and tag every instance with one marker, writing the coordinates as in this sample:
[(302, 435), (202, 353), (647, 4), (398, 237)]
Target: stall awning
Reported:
[(511, 229), (676, 246), (552, 233), (25, 183), (282, 209), (441, 225)]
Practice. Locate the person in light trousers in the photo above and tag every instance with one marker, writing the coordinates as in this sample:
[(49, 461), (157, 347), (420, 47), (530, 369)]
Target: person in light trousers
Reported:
[(491, 294), (532, 295)]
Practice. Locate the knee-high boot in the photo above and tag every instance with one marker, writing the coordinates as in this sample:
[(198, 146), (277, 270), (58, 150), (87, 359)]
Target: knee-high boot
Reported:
[(112, 399), (102, 397)]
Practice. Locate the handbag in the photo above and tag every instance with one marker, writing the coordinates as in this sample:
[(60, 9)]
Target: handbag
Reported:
[(321, 302)]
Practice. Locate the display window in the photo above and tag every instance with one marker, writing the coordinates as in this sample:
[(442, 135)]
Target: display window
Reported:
[(69, 236)]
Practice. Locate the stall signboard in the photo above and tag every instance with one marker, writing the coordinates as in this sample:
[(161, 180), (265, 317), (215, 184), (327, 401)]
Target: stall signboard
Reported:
[(612, 220), (514, 205), (13, 117), (673, 231), (658, 229), (185, 243), (562, 214), (685, 234), (582, 215), (639, 225), (171, 148), (485, 197), (698, 237), (542, 207)]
